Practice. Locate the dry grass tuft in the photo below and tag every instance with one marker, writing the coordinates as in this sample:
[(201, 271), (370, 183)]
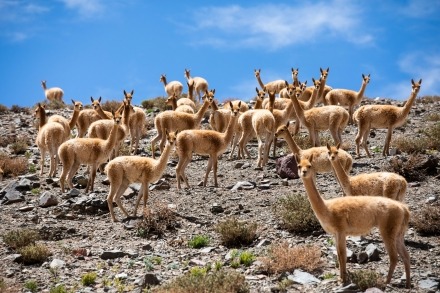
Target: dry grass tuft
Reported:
[(157, 221), (16, 239), (283, 258), (13, 166), (218, 281), (159, 102), (365, 279), (296, 214), (234, 233), (34, 253), (427, 220)]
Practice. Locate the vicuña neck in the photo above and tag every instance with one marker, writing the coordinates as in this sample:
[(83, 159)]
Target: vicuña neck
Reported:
[(343, 177), (161, 163), (292, 144), (360, 94), (407, 107), (202, 110), (74, 118), (42, 117), (316, 201), (298, 109), (259, 81)]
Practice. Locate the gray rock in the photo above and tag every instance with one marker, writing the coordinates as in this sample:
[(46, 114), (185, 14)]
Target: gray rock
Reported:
[(12, 196), (348, 289), (239, 165), (160, 185), (112, 254), (429, 284), (47, 199), (243, 185), (57, 264), (24, 185), (373, 290), (372, 252), (121, 276), (26, 209), (301, 277), (362, 257), (216, 208), (149, 280), (264, 242)]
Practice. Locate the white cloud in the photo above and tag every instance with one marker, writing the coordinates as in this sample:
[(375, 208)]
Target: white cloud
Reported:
[(20, 11), (418, 65), (275, 26), (86, 8), (421, 8)]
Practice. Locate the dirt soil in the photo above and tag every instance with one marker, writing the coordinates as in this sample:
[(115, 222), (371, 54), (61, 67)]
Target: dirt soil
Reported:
[(69, 226)]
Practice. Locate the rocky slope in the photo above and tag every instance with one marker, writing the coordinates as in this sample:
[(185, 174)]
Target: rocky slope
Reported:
[(81, 237)]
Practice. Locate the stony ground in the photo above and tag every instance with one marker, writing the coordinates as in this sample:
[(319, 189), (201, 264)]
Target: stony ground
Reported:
[(80, 223)]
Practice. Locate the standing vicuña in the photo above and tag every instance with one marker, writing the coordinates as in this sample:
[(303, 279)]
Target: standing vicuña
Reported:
[(204, 142), (173, 121), (273, 86), (136, 123), (89, 151), (172, 87), (357, 215), (200, 84), (333, 118), (53, 93), (385, 184), (347, 98), (382, 116), (122, 171)]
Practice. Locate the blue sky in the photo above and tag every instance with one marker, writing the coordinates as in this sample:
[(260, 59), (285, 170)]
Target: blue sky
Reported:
[(101, 47)]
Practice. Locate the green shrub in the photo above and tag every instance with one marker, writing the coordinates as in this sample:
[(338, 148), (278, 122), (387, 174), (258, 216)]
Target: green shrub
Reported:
[(427, 220), (236, 233), (34, 253), (16, 239), (218, 281), (246, 258), (198, 241), (58, 289), (365, 279), (31, 285), (88, 279), (296, 214), (281, 258)]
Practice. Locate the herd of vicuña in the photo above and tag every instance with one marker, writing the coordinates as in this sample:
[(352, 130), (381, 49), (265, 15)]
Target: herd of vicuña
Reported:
[(279, 110)]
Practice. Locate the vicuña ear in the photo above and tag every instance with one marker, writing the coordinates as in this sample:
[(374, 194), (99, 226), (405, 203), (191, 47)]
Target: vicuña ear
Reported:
[(328, 146)]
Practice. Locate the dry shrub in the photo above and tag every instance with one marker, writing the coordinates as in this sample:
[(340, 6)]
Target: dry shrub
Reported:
[(20, 145), (235, 233), (296, 214), (13, 166), (110, 105), (3, 109), (414, 168), (221, 281), (430, 140), (18, 109), (6, 140), (427, 220), (34, 253), (365, 279), (283, 258), (157, 221), (16, 239), (433, 117), (428, 99), (159, 102), (52, 105), (303, 141)]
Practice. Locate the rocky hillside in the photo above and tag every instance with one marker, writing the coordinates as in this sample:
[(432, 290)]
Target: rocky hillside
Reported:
[(81, 238)]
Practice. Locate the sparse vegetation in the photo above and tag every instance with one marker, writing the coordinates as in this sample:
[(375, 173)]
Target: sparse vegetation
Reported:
[(17, 239), (221, 281), (236, 233), (58, 289), (427, 220), (433, 117), (34, 253), (365, 279), (157, 221), (3, 109), (20, 146), (413, 168), (110, 105), (159, 103), (88, 279), (13, 166), (31, 285), (296, 214), (428, 99), (282, 258), (427, 141), (198, 241)]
